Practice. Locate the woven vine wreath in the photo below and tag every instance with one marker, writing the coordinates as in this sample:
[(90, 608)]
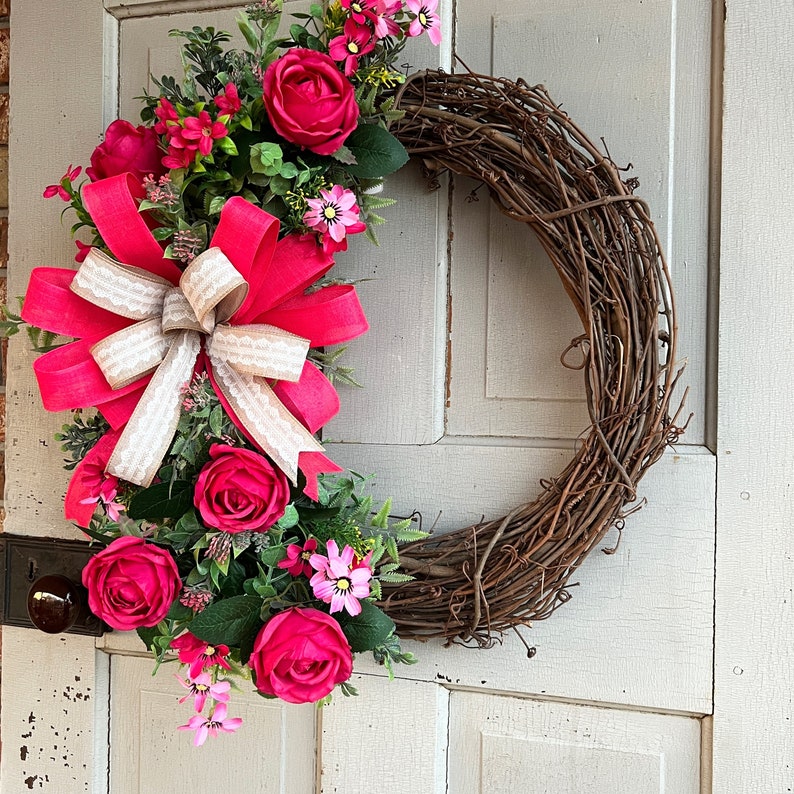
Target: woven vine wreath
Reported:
[(541, 169)]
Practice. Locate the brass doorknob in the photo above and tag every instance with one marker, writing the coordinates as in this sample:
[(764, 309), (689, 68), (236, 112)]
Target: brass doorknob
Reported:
[(54, 603)]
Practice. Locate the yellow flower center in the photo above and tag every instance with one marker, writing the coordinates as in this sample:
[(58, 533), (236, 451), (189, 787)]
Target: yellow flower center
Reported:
[(343, 584), (353, 47), (305, 555), (209, 650), (329, 212), (201, 687), (422, 19)]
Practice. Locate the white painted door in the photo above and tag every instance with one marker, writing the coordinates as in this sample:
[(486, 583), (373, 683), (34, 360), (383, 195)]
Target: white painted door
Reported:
[(621, 679)]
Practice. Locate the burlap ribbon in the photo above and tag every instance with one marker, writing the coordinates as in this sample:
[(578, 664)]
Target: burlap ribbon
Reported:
[(139, 327), (172, 324)]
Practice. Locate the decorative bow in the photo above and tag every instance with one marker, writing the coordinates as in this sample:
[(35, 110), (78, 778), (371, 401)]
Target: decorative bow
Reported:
[(140, 334)]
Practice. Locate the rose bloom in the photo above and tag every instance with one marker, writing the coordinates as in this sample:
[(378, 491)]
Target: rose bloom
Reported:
[(309, 101), (131, 583), (240, 490), (300, 655), (126, 149)]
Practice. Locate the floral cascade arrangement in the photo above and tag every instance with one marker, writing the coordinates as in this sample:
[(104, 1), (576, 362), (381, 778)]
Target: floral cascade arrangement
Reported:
[(199, 315)]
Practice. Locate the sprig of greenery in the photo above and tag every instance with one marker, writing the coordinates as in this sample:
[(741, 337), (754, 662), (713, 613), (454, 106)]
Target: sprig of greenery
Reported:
[(79, 437)]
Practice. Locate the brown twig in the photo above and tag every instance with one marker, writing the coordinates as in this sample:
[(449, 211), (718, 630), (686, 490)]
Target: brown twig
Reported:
[(477, 582)]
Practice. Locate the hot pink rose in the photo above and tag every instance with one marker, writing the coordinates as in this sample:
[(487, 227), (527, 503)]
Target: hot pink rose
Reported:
[(309, 101), (300, 655), (131, 583), (126, 149), (240, 490)]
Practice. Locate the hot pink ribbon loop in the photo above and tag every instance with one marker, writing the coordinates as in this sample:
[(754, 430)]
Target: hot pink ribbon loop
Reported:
[(275, 272)]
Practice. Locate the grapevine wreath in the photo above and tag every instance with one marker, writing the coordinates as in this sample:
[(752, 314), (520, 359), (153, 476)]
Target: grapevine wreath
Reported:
[(196, 343), (542, 170)]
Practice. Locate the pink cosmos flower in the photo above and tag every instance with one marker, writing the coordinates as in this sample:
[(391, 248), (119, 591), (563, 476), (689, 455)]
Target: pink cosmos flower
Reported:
[(107, 493), (203, 129), (209, 726), (426, 19), (297, 560), (338, 581), (199, 654), (356, 40), (381, 18), (201, 688), (359, 8), (59, 189), (335, 214), (228, 103)]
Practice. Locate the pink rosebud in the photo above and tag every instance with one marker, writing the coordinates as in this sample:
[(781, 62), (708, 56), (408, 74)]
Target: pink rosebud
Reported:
[(126, 149)]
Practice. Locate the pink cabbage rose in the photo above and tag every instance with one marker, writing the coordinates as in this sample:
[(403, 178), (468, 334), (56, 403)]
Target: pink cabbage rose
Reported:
[(309, 101), (126, 149), (240, 490), (300, 655), (131, 583)]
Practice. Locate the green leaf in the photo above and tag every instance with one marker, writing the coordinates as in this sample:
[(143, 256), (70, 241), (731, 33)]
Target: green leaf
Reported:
[(273, 555), (227, 145), (228, 621), (162, 233), (216, 421), (233, 583), (289, 170), (164, 500), (279, 185), (376, 150), (147, 635), (344, 155), (290, 518), (179, 612), (367, 630), (216, 205)]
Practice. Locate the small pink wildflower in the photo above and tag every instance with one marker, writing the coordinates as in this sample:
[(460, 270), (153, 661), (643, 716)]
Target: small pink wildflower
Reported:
[(180, 156), (356, 40), (201, 687), (297, 560), (381, 18), (102, 487), (203, 129), (60, 189), (82, 251), (359, 8), (209, 726), (426, 19), (338, 581), (228, 103), (199, 654), (161, 191), (335, 214), (168, 118)]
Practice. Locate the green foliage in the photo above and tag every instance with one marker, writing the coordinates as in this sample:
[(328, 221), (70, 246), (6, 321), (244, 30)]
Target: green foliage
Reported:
[(78, 437), (226, 622), (368, 629), (163, 500), (376, 150)]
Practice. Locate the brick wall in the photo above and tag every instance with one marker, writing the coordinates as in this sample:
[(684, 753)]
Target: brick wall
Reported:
[(5, 43)]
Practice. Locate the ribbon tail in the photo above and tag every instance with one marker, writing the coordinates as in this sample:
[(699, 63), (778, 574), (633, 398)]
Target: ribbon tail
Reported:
[(148, 434), (263, 417), (312, 464)]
